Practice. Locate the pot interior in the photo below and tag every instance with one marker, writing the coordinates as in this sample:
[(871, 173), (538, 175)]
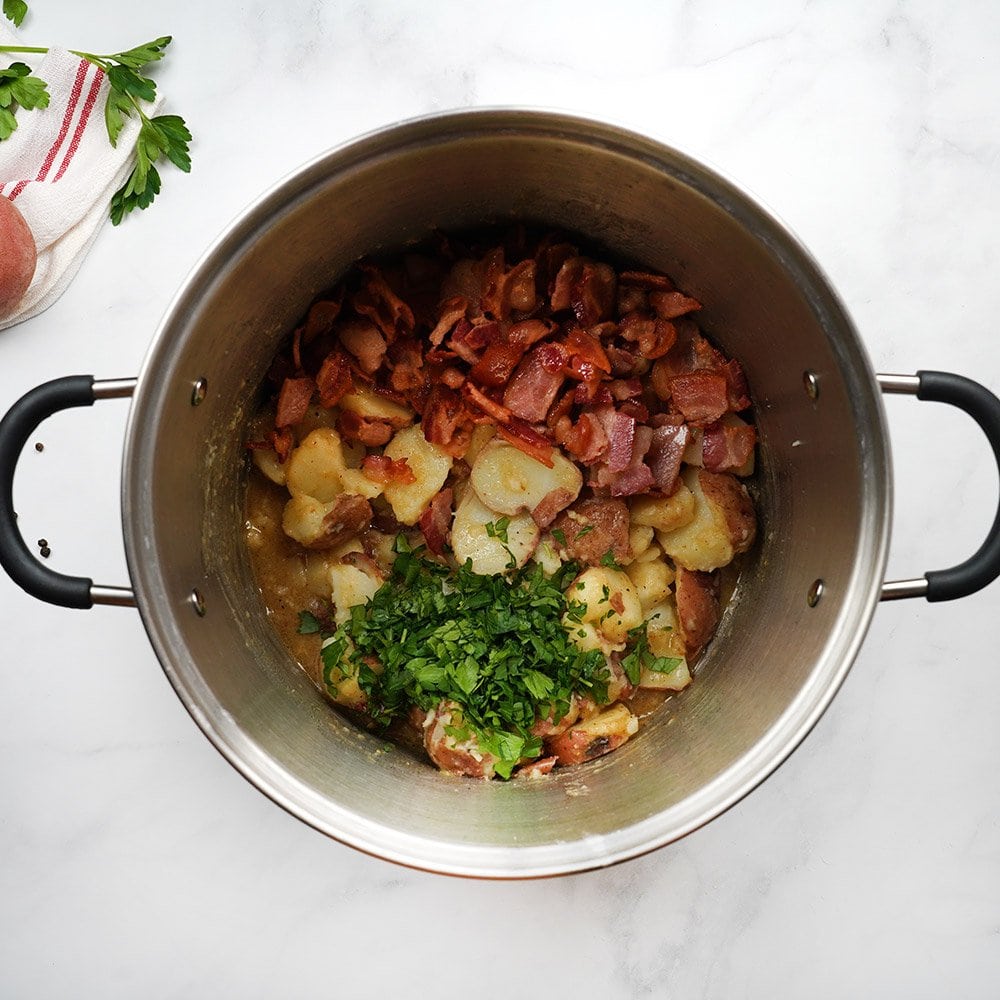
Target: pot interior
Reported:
[(822, 491)]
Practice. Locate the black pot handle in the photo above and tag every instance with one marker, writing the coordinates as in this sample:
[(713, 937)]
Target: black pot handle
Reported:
[(983, 567), (15, 429)]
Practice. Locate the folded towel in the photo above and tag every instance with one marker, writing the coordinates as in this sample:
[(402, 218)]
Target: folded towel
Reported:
[(60, 170)]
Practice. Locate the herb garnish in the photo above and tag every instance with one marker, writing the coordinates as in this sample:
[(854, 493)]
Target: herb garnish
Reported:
[(608, 559), (496, 645), (642, 656)]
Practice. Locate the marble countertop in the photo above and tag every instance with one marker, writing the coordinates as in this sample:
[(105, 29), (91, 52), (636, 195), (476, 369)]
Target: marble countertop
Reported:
[(135, 862)]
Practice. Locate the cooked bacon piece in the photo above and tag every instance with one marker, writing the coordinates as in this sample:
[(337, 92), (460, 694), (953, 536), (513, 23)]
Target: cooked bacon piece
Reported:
[(522, 435), (376, 300), (491, 300), (631, 298), (587, 354), (283, 441), (490, 407), (548, 507), (585, 287), (349, 516), (293, 401), (587, 440), (727, 446), (468, 339), (536, 381), (497, 364), (593, 528), (621, 436), (670, 305), (736, 386), (560, 410), (519, 290), (364, 430), (453, 378), (450, 312), (528, 332), (362, 338), (321, 318), (643, 279), (665, 453), (625, 363), (697, 597), (701, 396), (446, 422), (636, 477), (406, 359), (385, 470), (334, 379), (625, 388), (435, 522)]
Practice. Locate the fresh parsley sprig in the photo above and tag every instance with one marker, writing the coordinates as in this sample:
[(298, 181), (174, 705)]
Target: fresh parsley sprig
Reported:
[(159, 136), (641, 656), (18, 88), (14, 10)]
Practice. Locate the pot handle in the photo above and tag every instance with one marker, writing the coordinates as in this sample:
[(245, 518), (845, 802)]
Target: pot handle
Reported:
[(983, 567), (15, 429)]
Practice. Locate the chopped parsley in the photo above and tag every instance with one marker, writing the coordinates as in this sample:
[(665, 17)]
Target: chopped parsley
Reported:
[(496, 645), (608, 559), (498, 529), (642, 656)]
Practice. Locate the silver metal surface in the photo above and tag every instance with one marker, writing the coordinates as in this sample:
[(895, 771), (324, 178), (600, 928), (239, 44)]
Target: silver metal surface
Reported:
[(114, 388), (822, 490), (121, 597), (895, 590), (908, 385), (199, 391)]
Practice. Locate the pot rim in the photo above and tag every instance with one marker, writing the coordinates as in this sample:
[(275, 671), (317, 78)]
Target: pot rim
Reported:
[(158, 610)]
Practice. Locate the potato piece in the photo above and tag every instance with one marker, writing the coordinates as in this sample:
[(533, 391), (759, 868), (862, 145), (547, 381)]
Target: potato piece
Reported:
[(611, 601), (640, 537), (596, 736), (463, 757), (367, 403), (652, 582), (318, 468), (303, 518), (587, 636), (470, 540), (341, 683), (509, 481), (651, 554), (349, 587), (697, 598), (428, 463), (724, 523), (316, 416), (481, 437), (547, 557), (672, 680), (664, 513), (266, 459), (318, 525)]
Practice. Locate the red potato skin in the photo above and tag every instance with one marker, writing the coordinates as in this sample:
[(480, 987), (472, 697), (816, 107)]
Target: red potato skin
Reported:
[(18, 257), (697, 597)]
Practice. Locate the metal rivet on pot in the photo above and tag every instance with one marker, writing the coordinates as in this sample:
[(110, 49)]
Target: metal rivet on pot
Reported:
[(815, 593), (198, 602), (811, 384), (199, 392)]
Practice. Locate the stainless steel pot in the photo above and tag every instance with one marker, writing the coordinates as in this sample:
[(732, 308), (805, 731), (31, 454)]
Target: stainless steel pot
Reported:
[(803, 603)]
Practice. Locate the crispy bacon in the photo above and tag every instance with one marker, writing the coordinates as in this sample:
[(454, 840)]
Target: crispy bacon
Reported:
[(585, 287), (362, 338), (670, 305), (701, 396), (643, 279), (283, 441), (636, 477), (586, 348), (446, 422), (491, 300), (385, 470), (727, 446), (364, 430), (737, 390), (376, 300), (536, 381), (522, 435), (435, 522), (665, 453), (451, 311), (500, 414), (321, 318), (528, 332), (587, 440), (497, 364), (334, 379), (621, 436), (293, 401)]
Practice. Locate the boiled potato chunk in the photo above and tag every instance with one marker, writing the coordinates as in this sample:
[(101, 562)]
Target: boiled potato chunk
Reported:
[(596, 736), (509, 481), (318, 468), (366, 403), (481, 437), (664, 513), (723, 526), (664, 639), (652, 581), (266, 459), (349, 587), (610, 599), (640, 537), (490, 555), (428, 463), (587, 636), (303, 518)]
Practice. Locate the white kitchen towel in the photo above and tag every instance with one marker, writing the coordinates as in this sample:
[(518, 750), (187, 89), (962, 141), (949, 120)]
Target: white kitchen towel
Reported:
[(60, 169)]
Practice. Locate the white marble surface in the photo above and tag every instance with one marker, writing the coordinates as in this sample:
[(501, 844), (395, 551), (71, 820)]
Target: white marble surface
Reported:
[(135, 862)]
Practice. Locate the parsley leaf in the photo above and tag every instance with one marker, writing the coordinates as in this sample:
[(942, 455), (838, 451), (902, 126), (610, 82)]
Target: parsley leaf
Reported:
[(308, 623), (498, 529), (18, 88), (608, 559), (641, 656), (14, 10)]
